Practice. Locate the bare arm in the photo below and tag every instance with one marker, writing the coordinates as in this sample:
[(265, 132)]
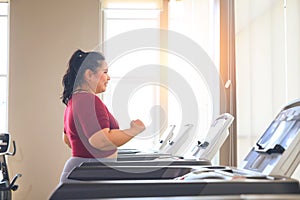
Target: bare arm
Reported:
[(108, 139), (66, 140)]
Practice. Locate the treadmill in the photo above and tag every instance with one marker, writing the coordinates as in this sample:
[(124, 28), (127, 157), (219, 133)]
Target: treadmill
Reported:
[(169, 145), (139, 155), (163, 167), (163, 142), (266, 170), (201, 154)]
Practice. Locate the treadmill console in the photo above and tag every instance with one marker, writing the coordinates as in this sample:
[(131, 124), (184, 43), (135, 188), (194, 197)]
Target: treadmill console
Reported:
[(277, 152), (216, 136)]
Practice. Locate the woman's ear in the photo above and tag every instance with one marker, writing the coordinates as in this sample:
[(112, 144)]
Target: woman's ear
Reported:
[(88, 74)]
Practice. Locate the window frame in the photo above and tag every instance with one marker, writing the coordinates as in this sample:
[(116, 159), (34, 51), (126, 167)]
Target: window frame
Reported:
[(227, 71)]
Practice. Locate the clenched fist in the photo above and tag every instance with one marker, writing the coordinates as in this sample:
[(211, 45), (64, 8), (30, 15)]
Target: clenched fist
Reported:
[(137, 126)]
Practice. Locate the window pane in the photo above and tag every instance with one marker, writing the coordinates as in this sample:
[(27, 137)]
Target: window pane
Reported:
[(200, 90), (3, 65), (193, 19), (3, 104), (147, 97), (3, 45), (3, 8), (143, 99), (117, 22)]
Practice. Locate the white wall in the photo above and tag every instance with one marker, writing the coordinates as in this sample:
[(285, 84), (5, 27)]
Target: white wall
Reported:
[(293, 48), (293, 61), (43, 35)]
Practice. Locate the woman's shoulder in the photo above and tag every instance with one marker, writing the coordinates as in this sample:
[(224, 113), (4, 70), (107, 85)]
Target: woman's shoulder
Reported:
[(85, 97)]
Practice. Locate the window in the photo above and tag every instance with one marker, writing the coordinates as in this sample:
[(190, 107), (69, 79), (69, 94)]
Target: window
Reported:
[(195, 20), (157, 104), (3, 65), (120, 18)]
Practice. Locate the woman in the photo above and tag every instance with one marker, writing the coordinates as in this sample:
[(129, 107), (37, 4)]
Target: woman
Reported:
[(90, 130)]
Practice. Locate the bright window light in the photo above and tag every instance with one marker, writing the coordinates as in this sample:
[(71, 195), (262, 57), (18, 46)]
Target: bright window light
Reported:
[(3, 65)]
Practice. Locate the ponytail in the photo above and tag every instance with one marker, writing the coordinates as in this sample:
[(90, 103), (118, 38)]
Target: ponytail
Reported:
[(79, 62)]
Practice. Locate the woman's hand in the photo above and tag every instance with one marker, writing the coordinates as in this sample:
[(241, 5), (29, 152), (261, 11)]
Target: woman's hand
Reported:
[(137, 126), (108, 139)]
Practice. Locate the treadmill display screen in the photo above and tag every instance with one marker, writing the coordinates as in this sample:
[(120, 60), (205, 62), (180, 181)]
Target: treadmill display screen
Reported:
[(281, 132)]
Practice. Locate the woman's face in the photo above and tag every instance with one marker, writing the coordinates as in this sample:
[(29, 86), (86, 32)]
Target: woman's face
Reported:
[(98, 81), (103, 77)]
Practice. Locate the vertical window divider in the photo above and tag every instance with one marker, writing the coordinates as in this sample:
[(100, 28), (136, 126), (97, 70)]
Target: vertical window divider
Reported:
[(164, 24), (228, 152)]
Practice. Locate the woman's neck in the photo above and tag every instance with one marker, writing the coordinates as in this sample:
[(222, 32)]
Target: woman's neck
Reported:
[(83, 89)]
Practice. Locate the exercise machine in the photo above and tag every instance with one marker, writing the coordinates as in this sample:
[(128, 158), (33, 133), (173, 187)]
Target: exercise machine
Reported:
[(263, 171), (6, 186), (170, 143)]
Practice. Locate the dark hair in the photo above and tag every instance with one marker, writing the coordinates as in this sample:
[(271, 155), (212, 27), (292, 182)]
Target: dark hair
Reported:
[(79, 62)]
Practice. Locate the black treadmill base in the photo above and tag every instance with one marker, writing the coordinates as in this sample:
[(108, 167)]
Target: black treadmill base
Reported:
[(96, 190)]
